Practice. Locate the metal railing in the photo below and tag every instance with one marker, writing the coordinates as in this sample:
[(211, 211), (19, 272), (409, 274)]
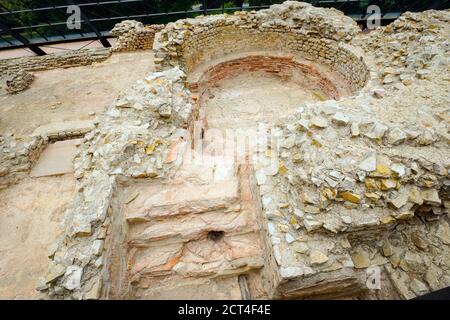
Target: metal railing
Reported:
[(31, 24)]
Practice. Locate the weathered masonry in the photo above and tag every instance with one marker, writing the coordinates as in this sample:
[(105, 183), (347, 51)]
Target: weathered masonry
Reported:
[(357, 179)]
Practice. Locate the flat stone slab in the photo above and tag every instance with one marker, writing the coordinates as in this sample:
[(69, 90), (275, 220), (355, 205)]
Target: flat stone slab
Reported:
[(147, 201), (56, 159), (191, 289), (53, 129)]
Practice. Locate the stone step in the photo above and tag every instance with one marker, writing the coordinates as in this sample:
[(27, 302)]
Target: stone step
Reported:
[(192, 226), (189, 289), (221, 255), (146, 202), (191, 237), (61, 130)]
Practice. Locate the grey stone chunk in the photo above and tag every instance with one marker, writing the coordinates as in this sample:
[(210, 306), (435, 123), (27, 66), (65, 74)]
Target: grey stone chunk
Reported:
[(369, 164), (73, 277), (341, 119), (396, 136), (290, 272), (377, 131)]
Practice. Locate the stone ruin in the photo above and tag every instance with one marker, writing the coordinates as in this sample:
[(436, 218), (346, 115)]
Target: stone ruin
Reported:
[(19, 82), (356, 183), (133, 35), (19, 71)]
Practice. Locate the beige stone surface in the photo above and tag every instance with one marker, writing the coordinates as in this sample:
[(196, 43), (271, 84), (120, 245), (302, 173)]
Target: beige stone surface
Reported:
[(31, 214), (158, 200), (56, 159), (200, 289)]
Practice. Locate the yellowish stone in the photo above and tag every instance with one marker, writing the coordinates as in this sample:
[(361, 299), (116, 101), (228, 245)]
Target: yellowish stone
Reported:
[(319, 95), (282, 169), (428, 183), (383, 170), (345, 243), (95, 292), (415, 196), (399, 201), (293, 221), (406, 215), (150, 149), (387, 220), (351, 197), (350, 205), (431, 197), (361, 259), (317, 257), (312, 209), (308, 199), (395, 260), (330, 194), (316, 143), (388, 184), (370, 184), (334, 266), (387, 249), (373, 196)]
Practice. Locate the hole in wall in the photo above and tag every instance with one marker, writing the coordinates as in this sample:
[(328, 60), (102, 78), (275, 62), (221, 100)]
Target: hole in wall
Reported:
[(216, 235)]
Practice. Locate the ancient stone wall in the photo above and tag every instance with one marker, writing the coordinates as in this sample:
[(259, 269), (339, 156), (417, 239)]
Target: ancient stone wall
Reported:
[(363, 182), (19, 82), (17, 157), (19, 154), (303, 32), (18, 70), (133, 35), (52, 61)]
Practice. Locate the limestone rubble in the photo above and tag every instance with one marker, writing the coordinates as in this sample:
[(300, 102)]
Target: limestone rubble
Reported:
[(361, 181)]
